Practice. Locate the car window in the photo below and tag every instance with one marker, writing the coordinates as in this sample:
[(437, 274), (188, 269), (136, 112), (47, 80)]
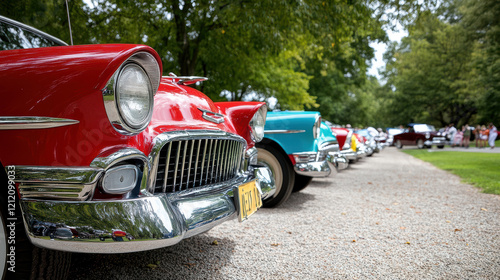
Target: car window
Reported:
[(423, 128), (14, 37)]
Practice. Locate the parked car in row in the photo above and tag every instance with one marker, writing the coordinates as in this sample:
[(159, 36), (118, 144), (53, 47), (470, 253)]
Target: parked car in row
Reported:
[(94, 138), (347, 142), (297, 146), (420, 135), (391, 131)]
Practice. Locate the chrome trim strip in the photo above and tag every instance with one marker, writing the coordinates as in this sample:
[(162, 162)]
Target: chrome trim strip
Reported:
[(31, 122), (283, 131)]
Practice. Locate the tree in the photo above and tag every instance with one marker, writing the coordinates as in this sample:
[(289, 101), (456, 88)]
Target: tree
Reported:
[(432, 73)]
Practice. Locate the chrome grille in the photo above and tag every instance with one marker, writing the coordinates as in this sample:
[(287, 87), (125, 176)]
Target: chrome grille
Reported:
[(186, 164)]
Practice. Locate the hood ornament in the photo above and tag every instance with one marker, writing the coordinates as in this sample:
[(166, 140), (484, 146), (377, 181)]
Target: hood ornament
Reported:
[(212, 117)]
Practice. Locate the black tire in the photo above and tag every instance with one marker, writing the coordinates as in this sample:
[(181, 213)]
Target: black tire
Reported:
[(301, 182), (398, 144), (282, 171), (30, 262), (440, 147), (420, 144)]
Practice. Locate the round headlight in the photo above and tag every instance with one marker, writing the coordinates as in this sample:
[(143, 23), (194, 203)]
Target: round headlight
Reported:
[(257, 124), (134, 96)]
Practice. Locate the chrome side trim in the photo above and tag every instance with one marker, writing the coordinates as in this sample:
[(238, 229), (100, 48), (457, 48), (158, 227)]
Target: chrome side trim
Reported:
[(30, 122), (283, 131)]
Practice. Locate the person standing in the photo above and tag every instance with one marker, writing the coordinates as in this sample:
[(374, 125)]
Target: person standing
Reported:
[(451, 132), (466, 139), (477, 135), (484, 136), (493, 135)]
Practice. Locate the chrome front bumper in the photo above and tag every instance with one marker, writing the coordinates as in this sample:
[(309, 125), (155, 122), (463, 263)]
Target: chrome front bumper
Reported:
[(437, 142), (349, 154), (151, 222), (313, 169)]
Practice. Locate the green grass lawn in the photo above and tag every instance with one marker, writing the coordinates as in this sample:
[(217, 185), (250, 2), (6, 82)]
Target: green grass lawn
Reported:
[(479, 169)]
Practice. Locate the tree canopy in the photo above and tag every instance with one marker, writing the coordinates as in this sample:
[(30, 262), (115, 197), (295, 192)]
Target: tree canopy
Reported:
[(308, 54)]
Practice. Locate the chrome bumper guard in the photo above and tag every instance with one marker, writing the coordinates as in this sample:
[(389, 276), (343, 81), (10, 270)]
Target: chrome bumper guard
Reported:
[(317, 164), (313, 169), (339, 161)]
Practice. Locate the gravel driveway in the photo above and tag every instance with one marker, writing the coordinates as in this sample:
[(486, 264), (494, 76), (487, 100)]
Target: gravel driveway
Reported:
[(390, 216)]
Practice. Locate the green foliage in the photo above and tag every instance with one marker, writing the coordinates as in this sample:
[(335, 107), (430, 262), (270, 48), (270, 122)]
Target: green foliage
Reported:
[(479, 169), (447, 70)]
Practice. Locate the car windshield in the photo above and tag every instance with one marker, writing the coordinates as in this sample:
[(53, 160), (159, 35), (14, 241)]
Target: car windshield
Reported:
[(423, 128), (15, 37), (394, 131)]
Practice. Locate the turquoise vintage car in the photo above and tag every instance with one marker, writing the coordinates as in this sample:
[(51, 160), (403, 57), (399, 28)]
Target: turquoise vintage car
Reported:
[(297, 146)]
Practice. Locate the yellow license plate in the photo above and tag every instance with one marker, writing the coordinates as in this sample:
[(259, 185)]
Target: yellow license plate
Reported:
[(248, 200)]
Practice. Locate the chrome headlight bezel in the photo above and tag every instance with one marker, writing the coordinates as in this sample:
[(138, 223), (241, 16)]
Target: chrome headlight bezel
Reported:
[(317, 127), (147, 64), (257, 124)]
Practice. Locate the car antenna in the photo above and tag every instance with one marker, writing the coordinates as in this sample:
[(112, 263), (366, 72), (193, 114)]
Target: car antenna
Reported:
[(69, 22)]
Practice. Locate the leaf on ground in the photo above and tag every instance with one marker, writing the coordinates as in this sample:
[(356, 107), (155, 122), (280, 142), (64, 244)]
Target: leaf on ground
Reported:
[(448, 221), (484, 209), (370, 183), (407, 242), (387, 209), (215, 242), (152, 266), (457, 229), (354, 240), (275, 244)]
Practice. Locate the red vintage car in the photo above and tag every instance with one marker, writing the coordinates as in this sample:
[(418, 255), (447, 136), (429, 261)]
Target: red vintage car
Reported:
[(345, 138), (94, 139), (420, 135)]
